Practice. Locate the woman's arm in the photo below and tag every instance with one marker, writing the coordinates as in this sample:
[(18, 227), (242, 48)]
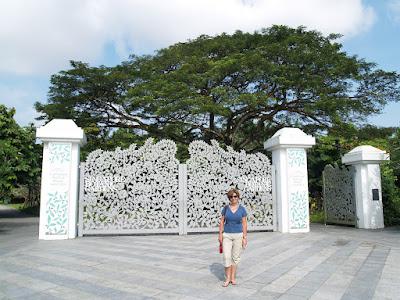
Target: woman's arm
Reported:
[(221, 228), (244, 222)]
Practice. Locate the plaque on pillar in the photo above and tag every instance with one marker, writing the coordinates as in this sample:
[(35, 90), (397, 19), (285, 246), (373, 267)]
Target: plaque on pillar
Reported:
[(375, 194)]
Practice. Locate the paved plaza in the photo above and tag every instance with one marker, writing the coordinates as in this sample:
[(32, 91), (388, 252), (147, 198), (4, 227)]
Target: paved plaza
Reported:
[(330, 262)]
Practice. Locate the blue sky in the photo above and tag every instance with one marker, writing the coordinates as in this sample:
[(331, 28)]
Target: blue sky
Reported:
[(39, 37)]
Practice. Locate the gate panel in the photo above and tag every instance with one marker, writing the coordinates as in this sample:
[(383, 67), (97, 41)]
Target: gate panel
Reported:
[(339, 201), (212, 171), (131, 191)]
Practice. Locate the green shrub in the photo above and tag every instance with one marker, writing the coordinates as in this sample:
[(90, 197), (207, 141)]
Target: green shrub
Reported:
[(390, 196)]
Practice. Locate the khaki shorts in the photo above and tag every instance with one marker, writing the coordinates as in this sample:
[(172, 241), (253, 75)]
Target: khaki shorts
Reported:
[(232, 245)]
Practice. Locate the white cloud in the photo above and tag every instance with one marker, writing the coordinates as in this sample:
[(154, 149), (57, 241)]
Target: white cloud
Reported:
[(42, 36), (394, 10)]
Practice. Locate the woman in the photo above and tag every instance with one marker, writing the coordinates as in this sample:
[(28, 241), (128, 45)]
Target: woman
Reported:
[(232, 235)]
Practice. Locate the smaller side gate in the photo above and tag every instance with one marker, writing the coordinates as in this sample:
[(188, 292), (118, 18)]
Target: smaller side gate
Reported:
[(338, 193)]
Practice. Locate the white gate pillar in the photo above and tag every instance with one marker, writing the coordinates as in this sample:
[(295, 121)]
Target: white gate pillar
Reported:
[(288, 146), (59, 188), (367, 185)]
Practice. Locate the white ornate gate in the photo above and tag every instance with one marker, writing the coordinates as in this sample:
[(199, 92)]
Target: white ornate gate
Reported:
[(339, 201), (145, 190)]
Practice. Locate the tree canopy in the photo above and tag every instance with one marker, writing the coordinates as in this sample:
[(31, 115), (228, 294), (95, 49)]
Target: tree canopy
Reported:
[(237, 89), (19, 155)]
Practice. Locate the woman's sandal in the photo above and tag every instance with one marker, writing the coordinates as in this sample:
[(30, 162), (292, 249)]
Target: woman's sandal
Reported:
[(233, 282), (226, 283)]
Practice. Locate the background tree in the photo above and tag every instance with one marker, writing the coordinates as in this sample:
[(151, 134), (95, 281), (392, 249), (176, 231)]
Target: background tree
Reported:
[(391, 181), (238, 89), (20, 158), (394, 149)]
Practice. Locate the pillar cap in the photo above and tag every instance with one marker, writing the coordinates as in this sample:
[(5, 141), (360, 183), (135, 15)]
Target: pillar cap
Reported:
[(61, 130), (289, 137), (365, 155)]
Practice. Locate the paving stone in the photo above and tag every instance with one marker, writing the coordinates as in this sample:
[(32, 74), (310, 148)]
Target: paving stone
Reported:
[(292, 297), (265, 295), (63, 292), (15, 291), (308, 285), (252, 285), (327, 295), (38, 296), (173, 296), (302, 291), (316, 277), (383, 291), (238, 290)]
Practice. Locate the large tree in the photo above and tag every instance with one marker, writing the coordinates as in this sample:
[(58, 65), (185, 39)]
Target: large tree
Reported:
[(235, 88), (20, 157)]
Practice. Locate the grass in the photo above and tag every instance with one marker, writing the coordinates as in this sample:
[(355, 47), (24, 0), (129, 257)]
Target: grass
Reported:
[(32, 211), (317, 217), (17, 206)]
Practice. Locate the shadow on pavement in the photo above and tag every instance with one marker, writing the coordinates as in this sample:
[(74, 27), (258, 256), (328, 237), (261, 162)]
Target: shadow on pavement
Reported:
[(218, 271)]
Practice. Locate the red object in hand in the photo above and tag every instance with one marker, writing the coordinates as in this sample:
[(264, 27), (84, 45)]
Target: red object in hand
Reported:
[(220, 248)]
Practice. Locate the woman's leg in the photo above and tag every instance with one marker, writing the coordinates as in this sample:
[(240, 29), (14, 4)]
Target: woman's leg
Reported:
[(227, 276), (233, 274), (227, 255), (236, 250)]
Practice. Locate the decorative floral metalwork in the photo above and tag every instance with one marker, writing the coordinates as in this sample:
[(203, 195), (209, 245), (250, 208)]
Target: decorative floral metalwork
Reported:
[(133, 189), (57, 213), (296, 157), (136, 190), (59, 152), (339, 195), (212, 171), (298, 202)]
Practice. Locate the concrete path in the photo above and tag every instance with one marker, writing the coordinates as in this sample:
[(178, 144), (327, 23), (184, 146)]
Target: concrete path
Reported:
[(327, 263)]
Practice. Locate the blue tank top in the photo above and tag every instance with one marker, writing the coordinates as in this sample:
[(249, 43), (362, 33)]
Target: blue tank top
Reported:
[(233, 221)]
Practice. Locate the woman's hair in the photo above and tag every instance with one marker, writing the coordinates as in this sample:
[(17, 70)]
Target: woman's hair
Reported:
[(233, 191)]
